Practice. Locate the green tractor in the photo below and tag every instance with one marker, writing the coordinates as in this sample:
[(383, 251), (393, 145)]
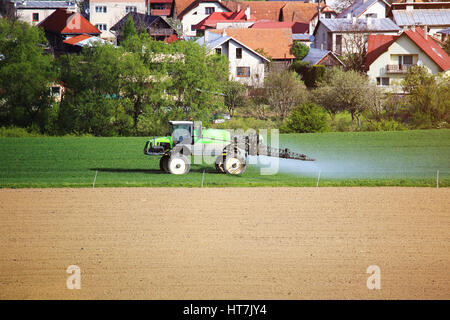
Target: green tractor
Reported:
[(188, 138)]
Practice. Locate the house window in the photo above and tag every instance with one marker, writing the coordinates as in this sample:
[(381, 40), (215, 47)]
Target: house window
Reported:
[(100, 9), (338, 43), (101, 27), (238, 53), (130, 9), (371, 15), (382, 81), (405, 60), (218, 50), (192, 27), (35, 17), (209, 10), (327, 15), (243, 72)]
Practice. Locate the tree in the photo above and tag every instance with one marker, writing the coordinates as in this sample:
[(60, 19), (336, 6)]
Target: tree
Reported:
[(284, 90), (428, 97), (354, 44), (299, 50), (347, 91), (307, 117), (129, 29), (235, 96), (26, 75)]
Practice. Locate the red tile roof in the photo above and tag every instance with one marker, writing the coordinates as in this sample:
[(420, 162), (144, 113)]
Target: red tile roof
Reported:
[(66, 22), (260, 10), (77, 39), (378, 44), (430, 47), (299, 11), (296, 27), (216, 17), (276, 43)]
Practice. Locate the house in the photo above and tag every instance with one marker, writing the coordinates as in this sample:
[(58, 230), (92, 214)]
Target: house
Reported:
[(323, 57), (246, 65), (155, 26), (190, 13), (106, 13), (284, 11), (390, 56), (366, 9), (62, 25), (77, 43), (223, 20), (434, 15), (274, 44), (34, 12), (349, 35)]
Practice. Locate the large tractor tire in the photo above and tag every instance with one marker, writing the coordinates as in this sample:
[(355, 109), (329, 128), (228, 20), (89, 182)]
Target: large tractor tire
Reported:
[(164, 163), (219, 164), (178, 164), (234, 164)]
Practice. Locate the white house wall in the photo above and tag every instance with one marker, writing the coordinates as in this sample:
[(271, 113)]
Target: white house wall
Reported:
[(116, 10), (378, 8), (26, 15), (196, 15)]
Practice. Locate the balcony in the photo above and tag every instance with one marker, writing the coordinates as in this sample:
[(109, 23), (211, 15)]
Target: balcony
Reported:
[(160, 32), (398, 68)]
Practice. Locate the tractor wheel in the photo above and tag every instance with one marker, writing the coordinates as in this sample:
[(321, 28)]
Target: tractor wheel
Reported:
[(178, 164), (234, 164), (163, 163), (219, 164)]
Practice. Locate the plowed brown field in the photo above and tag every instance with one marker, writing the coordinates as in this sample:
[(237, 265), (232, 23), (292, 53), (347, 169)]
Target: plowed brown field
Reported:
[(225, 243)]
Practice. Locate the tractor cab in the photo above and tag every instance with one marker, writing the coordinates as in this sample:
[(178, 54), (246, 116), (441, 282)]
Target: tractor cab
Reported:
[(182, 132)]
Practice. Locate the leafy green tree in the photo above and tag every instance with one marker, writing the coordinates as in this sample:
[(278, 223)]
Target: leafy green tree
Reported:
[(428, 97), (284, 90), (235, 96), (347, 90), (308, 117), (129, 30), (26, 75), (299, 50)]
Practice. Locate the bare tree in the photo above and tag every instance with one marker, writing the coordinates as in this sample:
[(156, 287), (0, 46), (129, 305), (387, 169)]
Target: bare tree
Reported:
[(284, 90), (353, 46), (9, 11)]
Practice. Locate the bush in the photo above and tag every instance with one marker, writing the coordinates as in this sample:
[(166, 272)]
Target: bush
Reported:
[(16, 132), (384, 125), (308, 117), (246, 123), (313, 75)]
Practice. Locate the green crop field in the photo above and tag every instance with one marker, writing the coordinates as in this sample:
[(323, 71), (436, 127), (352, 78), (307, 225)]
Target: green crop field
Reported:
[(407, 158)]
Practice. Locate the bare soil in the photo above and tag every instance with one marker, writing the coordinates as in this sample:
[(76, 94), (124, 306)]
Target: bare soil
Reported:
[(225, 243)]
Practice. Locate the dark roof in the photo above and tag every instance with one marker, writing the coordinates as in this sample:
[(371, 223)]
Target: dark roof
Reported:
[(140, 21), (66, 22)]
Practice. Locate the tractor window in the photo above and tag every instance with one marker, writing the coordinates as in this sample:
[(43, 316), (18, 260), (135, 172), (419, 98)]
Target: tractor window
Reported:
[(182, 133)]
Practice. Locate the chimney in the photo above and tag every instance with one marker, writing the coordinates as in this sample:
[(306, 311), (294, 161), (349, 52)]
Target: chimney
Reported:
[(206, 36), (354, 20), (349, 15), (238, 7), (425, 32), (247, 12), (321, 46), (224, 33)]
